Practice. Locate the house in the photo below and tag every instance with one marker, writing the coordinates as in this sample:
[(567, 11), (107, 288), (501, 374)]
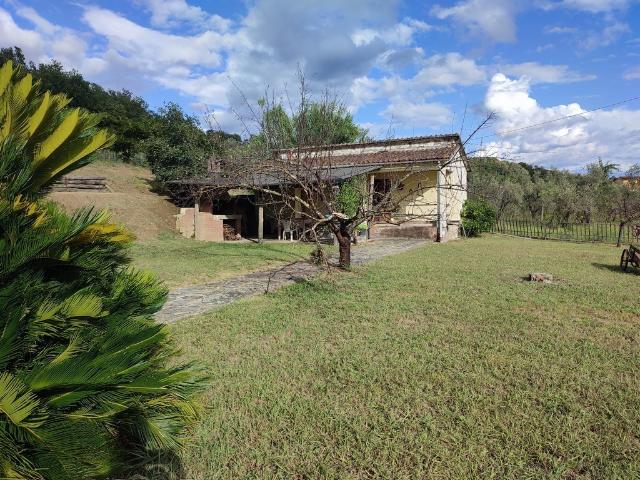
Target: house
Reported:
[(425, 176), (628, 181)]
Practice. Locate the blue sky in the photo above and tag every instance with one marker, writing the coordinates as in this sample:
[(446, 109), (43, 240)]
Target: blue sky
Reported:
[(404, 68)]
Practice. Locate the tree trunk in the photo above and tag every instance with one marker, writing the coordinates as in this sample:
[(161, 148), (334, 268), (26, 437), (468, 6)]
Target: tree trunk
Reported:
[(344, 245), (620, 233)]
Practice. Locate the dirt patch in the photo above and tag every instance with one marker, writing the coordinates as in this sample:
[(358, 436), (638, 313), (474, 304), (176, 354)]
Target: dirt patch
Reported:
[(130, 201)]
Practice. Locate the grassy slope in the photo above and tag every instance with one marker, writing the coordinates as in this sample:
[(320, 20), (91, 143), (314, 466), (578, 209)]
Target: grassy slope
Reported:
[(180, 261), (438, 363), (130, 201)]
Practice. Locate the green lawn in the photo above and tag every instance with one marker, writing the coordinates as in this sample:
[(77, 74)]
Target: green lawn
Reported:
[(437, 363), (181, 261)]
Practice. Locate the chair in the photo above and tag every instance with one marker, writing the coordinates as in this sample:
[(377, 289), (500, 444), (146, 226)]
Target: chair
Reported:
[(287, 227)]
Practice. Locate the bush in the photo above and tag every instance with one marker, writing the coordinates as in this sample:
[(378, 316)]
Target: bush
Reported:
[(86, 384), (477, 217)]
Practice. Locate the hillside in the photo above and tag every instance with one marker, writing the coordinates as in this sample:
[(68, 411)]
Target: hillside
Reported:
[(130, 200)]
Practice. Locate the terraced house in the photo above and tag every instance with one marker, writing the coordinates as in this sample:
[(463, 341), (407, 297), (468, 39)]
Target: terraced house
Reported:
[(423, 178)]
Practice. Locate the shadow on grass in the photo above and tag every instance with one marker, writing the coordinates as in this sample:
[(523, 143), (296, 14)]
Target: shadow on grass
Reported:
[(616, 268), (165, 466)]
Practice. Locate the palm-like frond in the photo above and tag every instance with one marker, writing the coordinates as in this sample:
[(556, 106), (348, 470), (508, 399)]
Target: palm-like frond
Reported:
[(85, 384), (54, 139)]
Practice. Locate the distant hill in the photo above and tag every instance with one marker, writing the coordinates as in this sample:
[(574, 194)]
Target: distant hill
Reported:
[(130, 200)]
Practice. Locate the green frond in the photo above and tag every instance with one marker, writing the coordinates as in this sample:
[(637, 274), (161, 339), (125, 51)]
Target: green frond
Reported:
[(35, 121), (22, 89), (87, 378), (17, 403), (58, 137)]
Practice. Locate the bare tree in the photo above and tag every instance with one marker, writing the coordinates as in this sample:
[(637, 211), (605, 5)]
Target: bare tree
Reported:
[(289, 163)]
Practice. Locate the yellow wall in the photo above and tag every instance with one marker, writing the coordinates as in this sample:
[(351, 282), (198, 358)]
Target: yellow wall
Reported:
[(417, 199)]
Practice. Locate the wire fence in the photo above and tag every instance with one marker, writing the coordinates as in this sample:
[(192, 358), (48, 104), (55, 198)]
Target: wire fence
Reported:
[(573, 232)]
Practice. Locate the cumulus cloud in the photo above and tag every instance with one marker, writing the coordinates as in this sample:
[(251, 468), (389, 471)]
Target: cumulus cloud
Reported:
[(577, 138), (484, 19), (155, 50), (541, 73), (441, 72)]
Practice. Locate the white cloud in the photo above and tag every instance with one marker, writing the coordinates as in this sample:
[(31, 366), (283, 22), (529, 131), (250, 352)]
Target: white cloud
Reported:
[(31, 42), (400, 34), (596, 6), (450, 69), (417, 115), (607, 36), (45, 41), (485, 19), (170, 13), (441, 71), (541, 73), (560, 30), (153, 49), (633, 74), (566, 143)]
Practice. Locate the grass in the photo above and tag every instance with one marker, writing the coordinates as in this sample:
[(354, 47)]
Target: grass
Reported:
[(181, 261), (439, 363)]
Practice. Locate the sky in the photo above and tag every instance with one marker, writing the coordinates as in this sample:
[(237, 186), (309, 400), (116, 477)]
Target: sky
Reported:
[(558, 76)]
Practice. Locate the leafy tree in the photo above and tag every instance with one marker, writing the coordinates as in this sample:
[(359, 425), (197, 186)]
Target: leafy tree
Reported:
[(86, 389), (351, 194), (123, 113), (553, 196), (477, 217), (317, 123), (178, 147), (328, 123)]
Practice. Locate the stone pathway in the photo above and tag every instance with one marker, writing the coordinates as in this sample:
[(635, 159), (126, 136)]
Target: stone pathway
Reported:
[(193, 300)]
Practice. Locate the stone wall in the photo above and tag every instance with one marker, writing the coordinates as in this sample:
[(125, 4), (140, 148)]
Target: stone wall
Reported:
[(426, 230)]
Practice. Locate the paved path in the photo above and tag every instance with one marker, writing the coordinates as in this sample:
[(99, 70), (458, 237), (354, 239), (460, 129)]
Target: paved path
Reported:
[(196, 299)]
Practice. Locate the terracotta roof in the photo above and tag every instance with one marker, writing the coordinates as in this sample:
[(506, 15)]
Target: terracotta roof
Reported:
[(393, 157), (449, 137), (383, 152)]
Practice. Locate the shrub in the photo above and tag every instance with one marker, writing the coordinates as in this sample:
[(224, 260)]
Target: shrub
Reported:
[(477, 217), (86, 389)]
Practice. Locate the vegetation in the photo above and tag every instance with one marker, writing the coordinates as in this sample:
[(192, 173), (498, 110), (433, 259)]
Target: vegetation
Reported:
[(139, 131), (123, 113), (323, 122), (477, 217), (85, 386), (177, 148), (438, 363), (180, 261), (518, 190)]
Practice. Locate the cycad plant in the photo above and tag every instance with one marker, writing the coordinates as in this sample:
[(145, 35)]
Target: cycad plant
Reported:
[(87, 384)]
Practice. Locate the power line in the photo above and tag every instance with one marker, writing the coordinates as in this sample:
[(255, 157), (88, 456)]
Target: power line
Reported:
[(534, 125)]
